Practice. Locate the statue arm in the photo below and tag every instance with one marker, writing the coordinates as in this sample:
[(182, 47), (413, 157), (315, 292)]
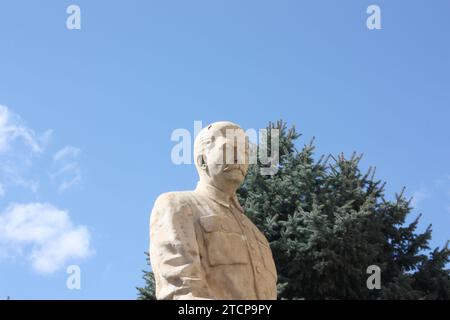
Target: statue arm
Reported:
[(174, 252)]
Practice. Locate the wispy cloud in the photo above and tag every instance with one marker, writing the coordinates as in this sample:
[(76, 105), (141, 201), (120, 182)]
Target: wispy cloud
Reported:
[(66, 153), (16, 173), (13, 130), (19, 146), (68, 169), (419, 196), (44, 235), (40, 233), (2, 191), (439, 190)]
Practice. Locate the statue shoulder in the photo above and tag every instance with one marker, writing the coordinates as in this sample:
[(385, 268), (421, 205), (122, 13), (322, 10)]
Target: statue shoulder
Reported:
[(172, 208), (174, 200)]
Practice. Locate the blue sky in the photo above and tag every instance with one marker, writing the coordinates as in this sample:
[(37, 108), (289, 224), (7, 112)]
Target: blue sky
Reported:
[(89, 114)]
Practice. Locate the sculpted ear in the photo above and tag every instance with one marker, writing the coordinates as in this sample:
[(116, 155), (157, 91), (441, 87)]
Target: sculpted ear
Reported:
[(201, 162)]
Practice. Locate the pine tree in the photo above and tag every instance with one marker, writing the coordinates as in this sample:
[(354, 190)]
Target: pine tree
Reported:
[(147, 292), (327, 222)]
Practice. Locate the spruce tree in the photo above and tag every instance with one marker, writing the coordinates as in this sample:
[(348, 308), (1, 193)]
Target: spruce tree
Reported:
[(327, 222), (148, 291)]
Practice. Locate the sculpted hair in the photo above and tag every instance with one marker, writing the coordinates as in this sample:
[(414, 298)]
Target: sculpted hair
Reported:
[(206, 137)]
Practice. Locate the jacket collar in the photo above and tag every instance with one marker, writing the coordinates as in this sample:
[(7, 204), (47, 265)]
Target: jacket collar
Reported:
[(218, 196)]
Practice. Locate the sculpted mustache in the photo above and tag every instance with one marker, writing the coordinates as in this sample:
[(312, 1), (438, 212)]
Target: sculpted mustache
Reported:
[(229, 168)]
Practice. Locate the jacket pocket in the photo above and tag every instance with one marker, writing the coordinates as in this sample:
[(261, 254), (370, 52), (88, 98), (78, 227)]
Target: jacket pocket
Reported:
[(266, 253), (225, 245)]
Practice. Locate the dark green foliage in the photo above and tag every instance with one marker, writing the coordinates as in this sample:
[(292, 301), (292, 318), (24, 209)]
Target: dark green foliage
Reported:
[(148, 292), (327, 222)]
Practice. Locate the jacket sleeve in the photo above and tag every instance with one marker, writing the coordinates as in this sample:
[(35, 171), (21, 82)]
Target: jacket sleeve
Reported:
[(174, 252)]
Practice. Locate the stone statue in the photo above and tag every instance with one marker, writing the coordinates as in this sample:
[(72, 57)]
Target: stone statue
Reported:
[(202, 245)]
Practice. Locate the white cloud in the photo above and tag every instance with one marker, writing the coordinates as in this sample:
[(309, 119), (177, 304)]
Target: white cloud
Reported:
[(44, 235), (15, 173), (19, 144), (68, 172), (419, 196), (12, 129), (66, 153), (40, 233)]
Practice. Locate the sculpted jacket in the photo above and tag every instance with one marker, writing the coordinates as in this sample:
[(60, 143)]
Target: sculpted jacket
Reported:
[(203, 246)]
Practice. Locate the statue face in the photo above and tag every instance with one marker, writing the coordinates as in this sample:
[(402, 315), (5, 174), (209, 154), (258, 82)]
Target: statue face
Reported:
[(227, 158)]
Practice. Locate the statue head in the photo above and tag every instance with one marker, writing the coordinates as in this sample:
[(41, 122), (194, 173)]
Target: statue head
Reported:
[(221, 155)]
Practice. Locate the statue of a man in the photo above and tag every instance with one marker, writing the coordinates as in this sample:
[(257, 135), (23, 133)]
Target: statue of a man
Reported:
[(202, 245)]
